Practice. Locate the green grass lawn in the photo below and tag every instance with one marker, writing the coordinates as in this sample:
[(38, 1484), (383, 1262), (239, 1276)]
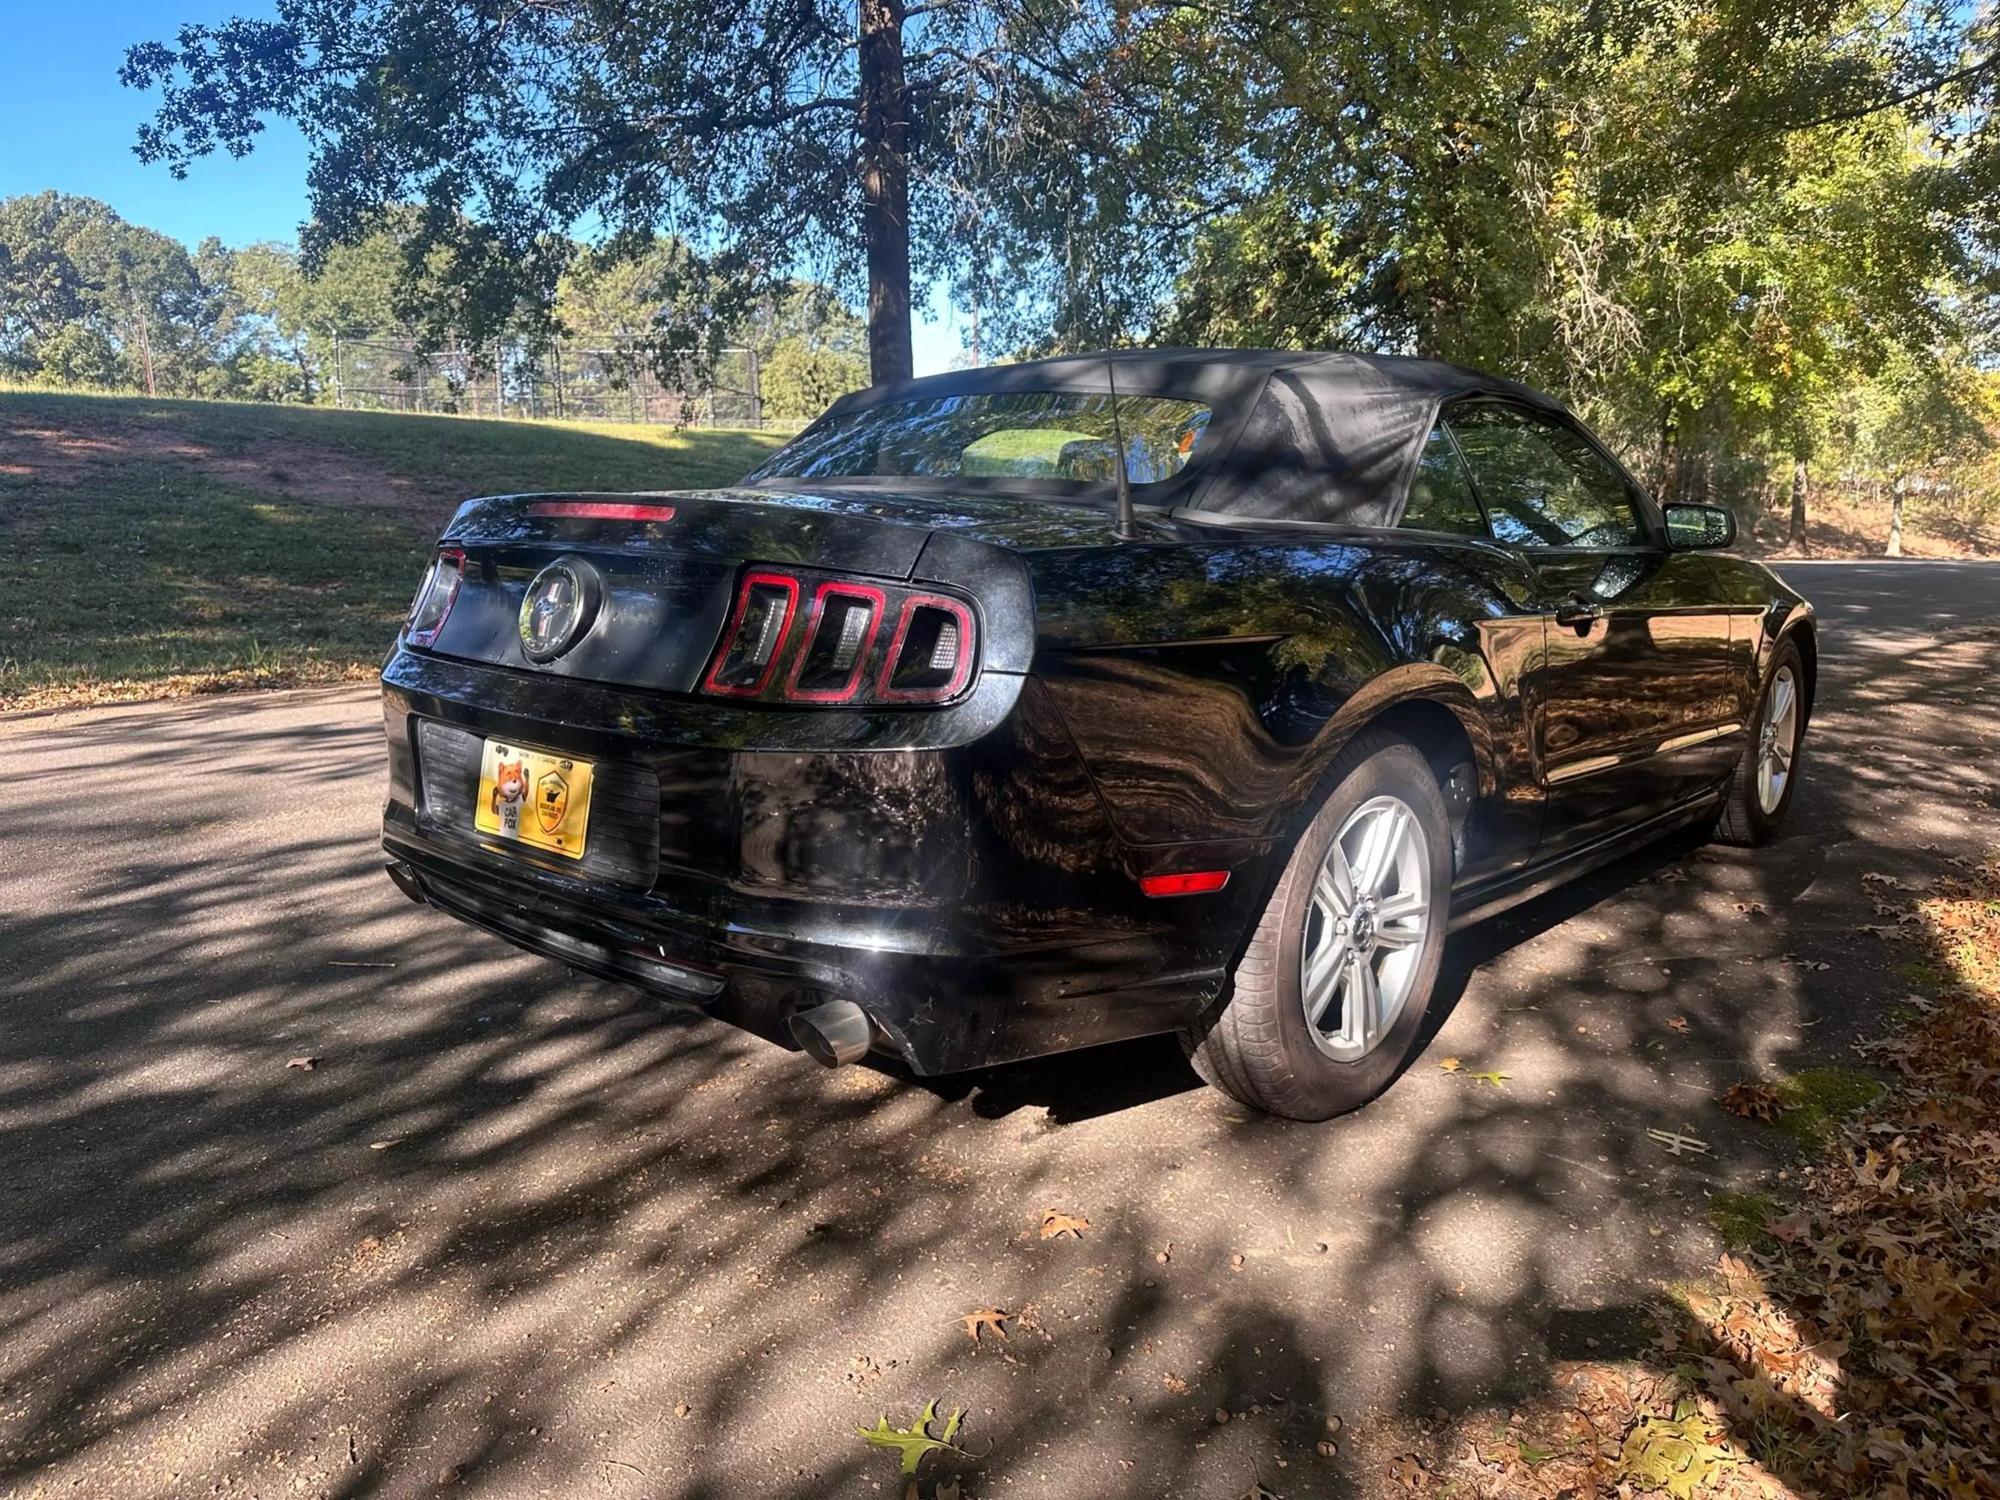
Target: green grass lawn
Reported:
[(159, 547)]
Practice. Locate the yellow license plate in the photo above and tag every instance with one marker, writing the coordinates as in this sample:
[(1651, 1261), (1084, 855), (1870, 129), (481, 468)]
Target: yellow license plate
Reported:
[(534, 797)]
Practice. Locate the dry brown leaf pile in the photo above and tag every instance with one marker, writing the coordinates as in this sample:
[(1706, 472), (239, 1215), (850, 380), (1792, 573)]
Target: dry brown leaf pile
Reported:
[(1861, 1355)]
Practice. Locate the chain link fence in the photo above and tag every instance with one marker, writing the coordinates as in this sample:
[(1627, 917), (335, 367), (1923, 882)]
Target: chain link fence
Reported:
[(577, 378)]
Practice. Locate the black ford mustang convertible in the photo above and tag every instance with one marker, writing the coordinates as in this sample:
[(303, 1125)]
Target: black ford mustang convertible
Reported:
[(1026, 708)]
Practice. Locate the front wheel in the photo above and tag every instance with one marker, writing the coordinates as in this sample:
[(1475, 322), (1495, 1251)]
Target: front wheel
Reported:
[(1330, 995), (1761, 788)]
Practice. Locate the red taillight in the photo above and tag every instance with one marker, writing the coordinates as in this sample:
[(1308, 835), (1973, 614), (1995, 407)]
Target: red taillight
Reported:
[(930, 655), (601, 510), (435, 597), (1192, 883), (840, 633), (749, 656), (830, 652)]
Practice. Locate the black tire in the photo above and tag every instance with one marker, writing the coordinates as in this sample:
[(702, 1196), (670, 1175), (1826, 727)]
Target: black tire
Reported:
[(1256, 1047), (1742, 820)]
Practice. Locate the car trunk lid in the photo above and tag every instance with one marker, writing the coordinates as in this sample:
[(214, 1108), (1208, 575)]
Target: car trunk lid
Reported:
[(663, 568)]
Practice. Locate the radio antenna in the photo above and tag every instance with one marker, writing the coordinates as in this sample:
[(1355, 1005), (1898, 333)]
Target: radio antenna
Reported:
[(1126, 528)]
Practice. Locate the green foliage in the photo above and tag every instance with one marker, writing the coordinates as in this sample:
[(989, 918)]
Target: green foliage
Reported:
[(1707, 224), (1817, 1100), (1740, 1219), (757, 130), (85, 298), (801, 380)]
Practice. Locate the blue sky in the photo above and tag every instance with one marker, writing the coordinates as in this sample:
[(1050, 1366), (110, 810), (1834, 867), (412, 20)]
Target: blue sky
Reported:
[(67, 123)]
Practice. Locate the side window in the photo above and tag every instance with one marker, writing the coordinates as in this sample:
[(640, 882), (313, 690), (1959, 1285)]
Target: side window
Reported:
[(1543, 485), (1441, 496)]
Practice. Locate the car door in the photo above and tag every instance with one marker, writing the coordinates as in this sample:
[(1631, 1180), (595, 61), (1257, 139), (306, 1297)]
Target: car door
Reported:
[(1628, 709)]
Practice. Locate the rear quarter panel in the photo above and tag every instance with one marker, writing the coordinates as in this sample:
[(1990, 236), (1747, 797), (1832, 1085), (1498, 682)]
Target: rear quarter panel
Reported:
[(1210, 684)]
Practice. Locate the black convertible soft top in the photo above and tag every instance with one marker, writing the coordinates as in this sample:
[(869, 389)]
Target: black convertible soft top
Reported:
[(1297, 436)]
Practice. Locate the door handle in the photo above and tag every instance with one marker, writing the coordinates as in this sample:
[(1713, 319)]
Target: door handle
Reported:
[(1579, 612)]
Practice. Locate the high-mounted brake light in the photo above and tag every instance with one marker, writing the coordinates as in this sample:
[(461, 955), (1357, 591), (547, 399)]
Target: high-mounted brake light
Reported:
[(756, 635), (840, 632), (601, 510), (435, 597), (1192, 883)]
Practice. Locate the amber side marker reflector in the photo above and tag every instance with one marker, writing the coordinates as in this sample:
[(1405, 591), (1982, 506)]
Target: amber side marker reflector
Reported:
[(601, 510), (1194, 883)]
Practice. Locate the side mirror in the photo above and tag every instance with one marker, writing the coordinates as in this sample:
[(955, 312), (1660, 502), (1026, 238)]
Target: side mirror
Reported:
[(1697, 528)]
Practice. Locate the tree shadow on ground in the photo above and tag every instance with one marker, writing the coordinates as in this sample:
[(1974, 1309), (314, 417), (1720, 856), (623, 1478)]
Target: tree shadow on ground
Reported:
[(510, 1224)]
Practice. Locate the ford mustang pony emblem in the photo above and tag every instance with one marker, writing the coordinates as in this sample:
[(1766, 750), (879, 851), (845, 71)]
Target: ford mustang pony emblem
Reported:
[(560, 605)]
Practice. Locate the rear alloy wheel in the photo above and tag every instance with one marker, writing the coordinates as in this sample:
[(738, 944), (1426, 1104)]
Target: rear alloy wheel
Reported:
[(1330, 994), (1365, 929), (1760, 789)]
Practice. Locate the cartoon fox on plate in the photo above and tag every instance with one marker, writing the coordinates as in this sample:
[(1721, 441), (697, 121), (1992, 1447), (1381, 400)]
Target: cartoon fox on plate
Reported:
[(510, 790)]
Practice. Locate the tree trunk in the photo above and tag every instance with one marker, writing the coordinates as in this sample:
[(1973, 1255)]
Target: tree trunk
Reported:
[(884, 126), (1797, 536), (146, 349), (1896, 490)]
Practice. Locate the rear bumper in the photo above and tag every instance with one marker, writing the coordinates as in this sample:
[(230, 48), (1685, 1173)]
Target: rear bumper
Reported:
[(971, 898)]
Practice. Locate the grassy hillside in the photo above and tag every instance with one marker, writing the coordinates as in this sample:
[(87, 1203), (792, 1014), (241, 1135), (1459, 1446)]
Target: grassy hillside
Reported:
[(157, 547)]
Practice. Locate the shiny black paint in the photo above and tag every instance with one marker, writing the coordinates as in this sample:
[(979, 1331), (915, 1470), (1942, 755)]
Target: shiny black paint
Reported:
[(970, 874)]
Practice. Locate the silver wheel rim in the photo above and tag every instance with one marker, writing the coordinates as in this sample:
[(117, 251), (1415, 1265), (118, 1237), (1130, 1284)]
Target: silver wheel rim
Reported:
[(1777, 740), (1365, 929)]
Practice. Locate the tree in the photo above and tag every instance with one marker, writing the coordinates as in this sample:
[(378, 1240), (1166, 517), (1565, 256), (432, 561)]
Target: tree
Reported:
[(801, 381), (87, 298), (1568, 196), (774, 136)]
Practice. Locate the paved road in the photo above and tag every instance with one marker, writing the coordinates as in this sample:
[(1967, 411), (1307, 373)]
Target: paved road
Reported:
[(511, 1225)]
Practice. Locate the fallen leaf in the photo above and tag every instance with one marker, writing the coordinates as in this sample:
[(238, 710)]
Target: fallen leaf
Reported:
[(1678, 1023), (303, 1064), (1407, 1470), (1175, 1384), (914, 1442), (983, 1319), (1055, 1225), (1498, 1080), (1753, 1101), (1449, 1065), (1680, 1457)]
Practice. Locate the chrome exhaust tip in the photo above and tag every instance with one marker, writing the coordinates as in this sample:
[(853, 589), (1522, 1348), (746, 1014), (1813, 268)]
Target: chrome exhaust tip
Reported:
[(407, 881), (833, 1033)]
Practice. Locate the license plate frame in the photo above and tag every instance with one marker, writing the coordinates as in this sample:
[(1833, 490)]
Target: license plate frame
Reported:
[(536, 798)]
